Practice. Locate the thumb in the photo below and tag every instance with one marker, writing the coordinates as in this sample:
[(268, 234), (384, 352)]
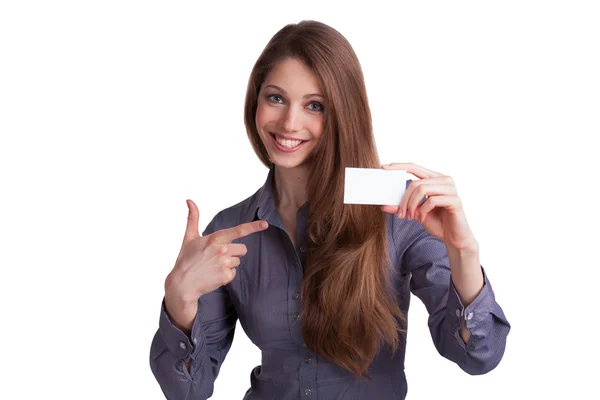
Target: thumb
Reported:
[(191, 230)]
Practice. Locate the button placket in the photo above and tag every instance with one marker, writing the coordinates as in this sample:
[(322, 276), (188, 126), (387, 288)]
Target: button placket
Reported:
[(295, 259), (307, 369)]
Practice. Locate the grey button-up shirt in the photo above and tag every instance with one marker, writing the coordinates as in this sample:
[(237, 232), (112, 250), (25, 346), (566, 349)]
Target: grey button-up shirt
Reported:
[(265, 297)]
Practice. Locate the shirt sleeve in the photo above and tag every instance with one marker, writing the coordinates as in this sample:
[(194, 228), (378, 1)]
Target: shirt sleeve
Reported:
[(427, 260), (210, 340)]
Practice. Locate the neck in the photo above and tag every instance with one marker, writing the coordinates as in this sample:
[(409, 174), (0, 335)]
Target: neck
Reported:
[(289, 187)]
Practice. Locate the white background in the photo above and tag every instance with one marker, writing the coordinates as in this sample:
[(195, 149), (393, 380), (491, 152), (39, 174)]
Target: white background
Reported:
[(113, 113)]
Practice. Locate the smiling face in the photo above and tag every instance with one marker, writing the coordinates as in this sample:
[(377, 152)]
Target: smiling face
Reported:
[(289, 113)]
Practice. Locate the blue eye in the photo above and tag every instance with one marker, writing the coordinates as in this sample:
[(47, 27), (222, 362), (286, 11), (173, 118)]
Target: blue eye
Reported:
[(320, 107), (272, 98)]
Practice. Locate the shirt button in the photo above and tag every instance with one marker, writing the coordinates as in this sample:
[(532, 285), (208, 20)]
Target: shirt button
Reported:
[(182, 345), (296, 316), (458, 312), (195, 340), (470, 315), (307, 392), (307, 360), (303, 248), (296, 296)]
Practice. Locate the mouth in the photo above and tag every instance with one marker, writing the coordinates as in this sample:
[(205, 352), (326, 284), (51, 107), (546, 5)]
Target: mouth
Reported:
[(286, 145)]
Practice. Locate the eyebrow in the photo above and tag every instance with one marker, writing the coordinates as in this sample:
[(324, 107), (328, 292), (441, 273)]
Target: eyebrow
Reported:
[(306, 96)]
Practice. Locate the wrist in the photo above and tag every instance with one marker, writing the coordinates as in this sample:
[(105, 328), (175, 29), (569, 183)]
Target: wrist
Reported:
[(181, 314), (465, 270), (467, 248)]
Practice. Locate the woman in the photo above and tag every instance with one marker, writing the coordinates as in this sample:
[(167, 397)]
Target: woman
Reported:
[(321, 287)]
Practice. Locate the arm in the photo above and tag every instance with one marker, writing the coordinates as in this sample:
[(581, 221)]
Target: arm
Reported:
[(486, 327), (186, 363)]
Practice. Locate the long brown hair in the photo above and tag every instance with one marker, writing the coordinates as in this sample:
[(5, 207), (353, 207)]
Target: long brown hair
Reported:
[(349, 307)]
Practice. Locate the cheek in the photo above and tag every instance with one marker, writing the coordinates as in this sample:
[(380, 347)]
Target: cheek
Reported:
[(317, 125), (263, 115)]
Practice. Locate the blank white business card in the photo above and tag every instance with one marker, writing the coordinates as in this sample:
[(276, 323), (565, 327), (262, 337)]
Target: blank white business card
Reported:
[(374, 186)]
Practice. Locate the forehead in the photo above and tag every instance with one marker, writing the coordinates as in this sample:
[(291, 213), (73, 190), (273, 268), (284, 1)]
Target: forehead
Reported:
[(294, 77)]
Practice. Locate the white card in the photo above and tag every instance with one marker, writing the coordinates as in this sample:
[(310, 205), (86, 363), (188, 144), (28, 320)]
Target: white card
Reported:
[(374, 186)]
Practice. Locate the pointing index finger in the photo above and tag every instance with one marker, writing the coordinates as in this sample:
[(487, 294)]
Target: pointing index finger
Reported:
[(248, 228)]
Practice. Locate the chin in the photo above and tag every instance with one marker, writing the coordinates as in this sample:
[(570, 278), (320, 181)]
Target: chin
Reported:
[(288, 164)]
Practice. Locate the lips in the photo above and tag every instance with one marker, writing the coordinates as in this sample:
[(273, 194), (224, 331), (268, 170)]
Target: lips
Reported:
[(277, 135), (283, 148)]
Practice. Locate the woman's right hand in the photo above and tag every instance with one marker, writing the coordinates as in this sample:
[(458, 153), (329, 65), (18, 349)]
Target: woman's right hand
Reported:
[(204, 264)]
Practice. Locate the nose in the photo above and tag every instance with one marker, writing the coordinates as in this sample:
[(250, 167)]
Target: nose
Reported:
[(292, 120)]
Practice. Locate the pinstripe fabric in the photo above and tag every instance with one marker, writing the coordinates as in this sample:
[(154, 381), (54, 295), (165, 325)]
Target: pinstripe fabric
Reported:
[(264, 296)]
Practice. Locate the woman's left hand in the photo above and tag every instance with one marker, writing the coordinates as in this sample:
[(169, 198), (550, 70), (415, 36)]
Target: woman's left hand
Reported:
[(442, 214)]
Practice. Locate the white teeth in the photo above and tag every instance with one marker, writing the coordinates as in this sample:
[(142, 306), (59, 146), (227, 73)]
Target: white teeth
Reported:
[(290, 144)]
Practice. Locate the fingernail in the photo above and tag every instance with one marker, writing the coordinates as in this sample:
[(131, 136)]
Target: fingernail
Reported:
[(263, 225)]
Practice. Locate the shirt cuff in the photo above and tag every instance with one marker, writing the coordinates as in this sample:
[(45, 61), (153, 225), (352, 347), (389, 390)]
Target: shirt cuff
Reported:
[(476, 312), (177, 342)]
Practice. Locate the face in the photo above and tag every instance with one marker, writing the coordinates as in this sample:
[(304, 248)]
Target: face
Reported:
[(289, 114)]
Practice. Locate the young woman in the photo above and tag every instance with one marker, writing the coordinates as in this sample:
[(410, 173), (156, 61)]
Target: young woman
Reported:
[(322, 287)]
